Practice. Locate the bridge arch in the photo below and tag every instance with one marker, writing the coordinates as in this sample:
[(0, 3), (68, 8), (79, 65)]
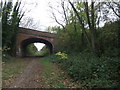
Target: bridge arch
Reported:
[(28, 41), (27, 36)]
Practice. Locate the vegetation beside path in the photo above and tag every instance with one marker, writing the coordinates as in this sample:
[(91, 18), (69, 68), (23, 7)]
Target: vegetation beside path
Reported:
[(90, 71), (11, 69), (55, 77)]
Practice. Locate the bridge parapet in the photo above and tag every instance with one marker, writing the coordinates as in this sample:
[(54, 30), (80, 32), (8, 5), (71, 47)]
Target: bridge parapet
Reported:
[(36, 33)]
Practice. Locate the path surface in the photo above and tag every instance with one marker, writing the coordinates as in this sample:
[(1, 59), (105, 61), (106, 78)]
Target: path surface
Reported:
[(31, 76)]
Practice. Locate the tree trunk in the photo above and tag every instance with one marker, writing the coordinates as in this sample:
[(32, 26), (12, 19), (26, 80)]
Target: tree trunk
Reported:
[(81, 22), (91, 25)]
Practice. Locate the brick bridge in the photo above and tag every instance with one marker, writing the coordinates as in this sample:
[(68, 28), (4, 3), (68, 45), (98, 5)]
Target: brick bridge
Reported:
[(28, 36)]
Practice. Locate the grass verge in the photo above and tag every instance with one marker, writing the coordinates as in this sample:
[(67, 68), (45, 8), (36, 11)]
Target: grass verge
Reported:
[(11, 68), (51, 74), (54, 77)]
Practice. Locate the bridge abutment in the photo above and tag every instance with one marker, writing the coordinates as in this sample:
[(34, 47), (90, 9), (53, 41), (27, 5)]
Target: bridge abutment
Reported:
[(18, 52)]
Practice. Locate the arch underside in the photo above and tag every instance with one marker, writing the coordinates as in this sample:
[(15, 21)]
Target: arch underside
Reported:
[(26, 42)]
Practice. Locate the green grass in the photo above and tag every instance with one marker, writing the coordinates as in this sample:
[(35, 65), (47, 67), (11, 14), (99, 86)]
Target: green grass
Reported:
[(11, 69), (41, 53), (31, 50), (51, 74)]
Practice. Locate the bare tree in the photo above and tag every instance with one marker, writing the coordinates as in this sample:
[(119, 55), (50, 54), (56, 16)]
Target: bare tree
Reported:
[(63, 12), (29, 22), (115, 7)]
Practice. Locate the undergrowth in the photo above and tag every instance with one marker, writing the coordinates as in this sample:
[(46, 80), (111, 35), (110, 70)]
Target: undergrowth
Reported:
[(91, 71)]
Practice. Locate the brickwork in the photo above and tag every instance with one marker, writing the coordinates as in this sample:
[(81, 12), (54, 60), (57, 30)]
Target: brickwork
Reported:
[(29, 34)]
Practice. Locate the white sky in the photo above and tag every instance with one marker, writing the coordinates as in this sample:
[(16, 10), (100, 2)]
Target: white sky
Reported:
[(39, 46), (40, 13)]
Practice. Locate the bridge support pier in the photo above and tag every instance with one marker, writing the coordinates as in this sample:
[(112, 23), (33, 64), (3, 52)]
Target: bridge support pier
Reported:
[(18, 52)]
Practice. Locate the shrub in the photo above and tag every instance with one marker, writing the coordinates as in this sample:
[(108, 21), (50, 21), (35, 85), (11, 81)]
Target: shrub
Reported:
[(93, 71), (63, 56)]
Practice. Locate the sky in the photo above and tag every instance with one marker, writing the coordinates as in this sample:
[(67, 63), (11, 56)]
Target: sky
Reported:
[(39, 12), (39, 46)]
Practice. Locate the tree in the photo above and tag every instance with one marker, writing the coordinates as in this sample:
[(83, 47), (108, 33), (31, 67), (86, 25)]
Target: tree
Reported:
[(63, 12), (10, 23), (0, 41), (115, 7), (28, 22), (83, 27), (108, 11), (90, 21)]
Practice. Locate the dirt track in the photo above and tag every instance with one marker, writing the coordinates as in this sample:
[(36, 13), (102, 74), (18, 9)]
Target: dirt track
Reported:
[(31, 76)]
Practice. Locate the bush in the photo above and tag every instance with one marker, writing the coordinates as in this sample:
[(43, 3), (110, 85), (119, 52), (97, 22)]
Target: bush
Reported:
[(93, 71), (63, 56)]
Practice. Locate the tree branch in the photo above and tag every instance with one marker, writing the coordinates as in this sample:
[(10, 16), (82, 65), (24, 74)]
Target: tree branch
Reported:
[(80, 21)]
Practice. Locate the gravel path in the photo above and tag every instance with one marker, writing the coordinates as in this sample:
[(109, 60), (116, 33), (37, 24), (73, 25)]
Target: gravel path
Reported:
[(31, 76)]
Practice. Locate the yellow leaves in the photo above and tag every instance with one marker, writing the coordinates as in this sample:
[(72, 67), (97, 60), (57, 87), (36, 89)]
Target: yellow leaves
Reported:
[(5, 48), (37, 80), (11, 76), (63, 56), (0, 49), (53, 73), (15, 86), (3, 62), (4, 55)]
